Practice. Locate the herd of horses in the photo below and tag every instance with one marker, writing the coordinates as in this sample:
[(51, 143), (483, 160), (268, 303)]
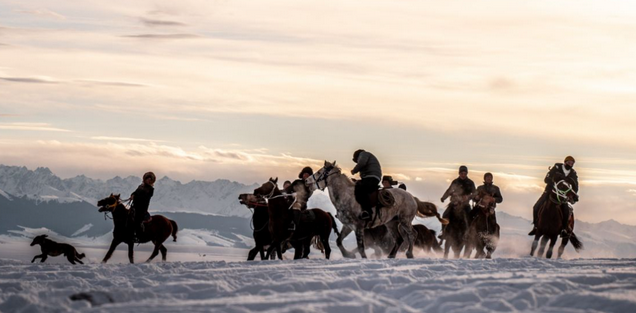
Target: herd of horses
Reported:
[(390, 231)]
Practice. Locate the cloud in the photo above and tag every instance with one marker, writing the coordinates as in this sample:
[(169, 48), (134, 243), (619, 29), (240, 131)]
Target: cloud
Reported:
[(106, 138), (31, 127), (43, 13), (163, 36), (156, 23), (33, 80), (111, 83)]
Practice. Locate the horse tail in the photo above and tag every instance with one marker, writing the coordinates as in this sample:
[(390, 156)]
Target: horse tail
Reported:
[(428, 209), (334, 225), (175, 229), (576, 243)]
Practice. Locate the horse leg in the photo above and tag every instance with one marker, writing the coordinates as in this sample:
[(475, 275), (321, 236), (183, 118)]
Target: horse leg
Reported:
[(544, 241), (261, 251), (398, 242), (307, 248), (564, 243), (535, 243), (164, 252), (131, 252), (113, 245), (346, 230), (360, 241), (155, 251), (406, 231), (446, 249), (325, 243), (252, 254), (298, 247), (279, 250), (553, 241)]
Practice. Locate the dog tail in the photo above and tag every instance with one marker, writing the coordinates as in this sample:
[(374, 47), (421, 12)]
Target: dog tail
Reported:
[(80, 255)]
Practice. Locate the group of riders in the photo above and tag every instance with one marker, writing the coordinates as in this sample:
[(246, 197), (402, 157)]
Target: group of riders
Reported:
[(461, 191)]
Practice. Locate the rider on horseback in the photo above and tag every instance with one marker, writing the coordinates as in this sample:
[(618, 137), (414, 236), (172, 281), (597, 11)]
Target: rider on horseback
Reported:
[(557, 173), (302, 196), (488, 188), (370, 172), (141, 202), (388, 182), (460, 191)]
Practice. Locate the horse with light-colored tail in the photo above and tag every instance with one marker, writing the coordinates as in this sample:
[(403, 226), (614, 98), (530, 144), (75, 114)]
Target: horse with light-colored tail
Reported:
[(397, 218)]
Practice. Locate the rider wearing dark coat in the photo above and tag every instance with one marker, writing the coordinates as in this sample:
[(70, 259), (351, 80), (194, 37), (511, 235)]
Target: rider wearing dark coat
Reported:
[(302, 195), (490, 189), (557, 173), (370, 173), (141, 201), (459, 196)]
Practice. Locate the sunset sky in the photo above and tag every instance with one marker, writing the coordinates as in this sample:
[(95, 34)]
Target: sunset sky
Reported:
[(245, 90)]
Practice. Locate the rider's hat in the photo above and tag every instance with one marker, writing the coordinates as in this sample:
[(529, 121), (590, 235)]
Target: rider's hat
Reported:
[(463, 168), (389, 179), (569, 158), (307, 170)]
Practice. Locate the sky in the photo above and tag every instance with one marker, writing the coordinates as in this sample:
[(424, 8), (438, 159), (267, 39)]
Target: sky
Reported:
[(247, 90)]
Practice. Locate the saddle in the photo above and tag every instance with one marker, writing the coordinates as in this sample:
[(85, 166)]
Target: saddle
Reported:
[(380, 198)]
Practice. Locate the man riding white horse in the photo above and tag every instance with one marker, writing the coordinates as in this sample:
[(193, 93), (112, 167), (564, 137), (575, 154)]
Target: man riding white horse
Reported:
[(370, 173), (558, 172)]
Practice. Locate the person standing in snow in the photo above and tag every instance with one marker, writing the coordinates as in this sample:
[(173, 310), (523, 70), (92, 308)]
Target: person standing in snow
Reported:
[(557, 173)]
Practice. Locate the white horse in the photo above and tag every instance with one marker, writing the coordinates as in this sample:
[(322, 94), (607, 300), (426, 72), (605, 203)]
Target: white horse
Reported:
[(398, 218)]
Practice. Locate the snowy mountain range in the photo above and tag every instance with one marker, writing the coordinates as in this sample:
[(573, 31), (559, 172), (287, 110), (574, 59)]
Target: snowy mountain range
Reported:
[(216, 197)]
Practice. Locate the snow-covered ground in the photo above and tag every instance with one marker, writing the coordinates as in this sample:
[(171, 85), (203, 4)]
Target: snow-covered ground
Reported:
[(318, 285)]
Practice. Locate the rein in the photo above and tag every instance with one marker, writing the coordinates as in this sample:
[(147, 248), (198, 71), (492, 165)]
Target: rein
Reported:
[(325, 174), (562, 193)]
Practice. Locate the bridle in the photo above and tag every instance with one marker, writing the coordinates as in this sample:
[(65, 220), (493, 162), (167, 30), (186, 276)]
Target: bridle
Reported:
[(562, 193), (323, 176)]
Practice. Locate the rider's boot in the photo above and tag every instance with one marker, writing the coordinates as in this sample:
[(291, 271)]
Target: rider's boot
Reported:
[(533, 231), (295, 220)]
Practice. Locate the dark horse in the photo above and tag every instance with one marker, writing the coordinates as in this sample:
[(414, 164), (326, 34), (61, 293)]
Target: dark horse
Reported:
[(157, 230), (313, 222), (260, 220), (455, 231), (483, 231), (550, 222)]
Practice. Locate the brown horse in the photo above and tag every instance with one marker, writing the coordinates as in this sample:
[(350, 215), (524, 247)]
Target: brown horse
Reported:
[(550, 221), (313, 222), (483, 231), (260, 220), (426, 239), (156, 231)]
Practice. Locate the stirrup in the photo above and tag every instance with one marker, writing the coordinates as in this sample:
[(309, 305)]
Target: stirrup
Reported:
[(365, 216), (292, 226)]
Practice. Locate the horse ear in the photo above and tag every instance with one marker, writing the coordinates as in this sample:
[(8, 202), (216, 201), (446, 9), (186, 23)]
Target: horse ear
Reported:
[(111, 195), (45, 236), (118, 195), (276, 180), (326, 162), (334, 163)]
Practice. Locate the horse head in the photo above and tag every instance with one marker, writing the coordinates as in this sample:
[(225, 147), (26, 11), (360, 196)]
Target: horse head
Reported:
[(251, 201), (108, 204), (563, 188), (268, 189), (319, 179), (38, 240)]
